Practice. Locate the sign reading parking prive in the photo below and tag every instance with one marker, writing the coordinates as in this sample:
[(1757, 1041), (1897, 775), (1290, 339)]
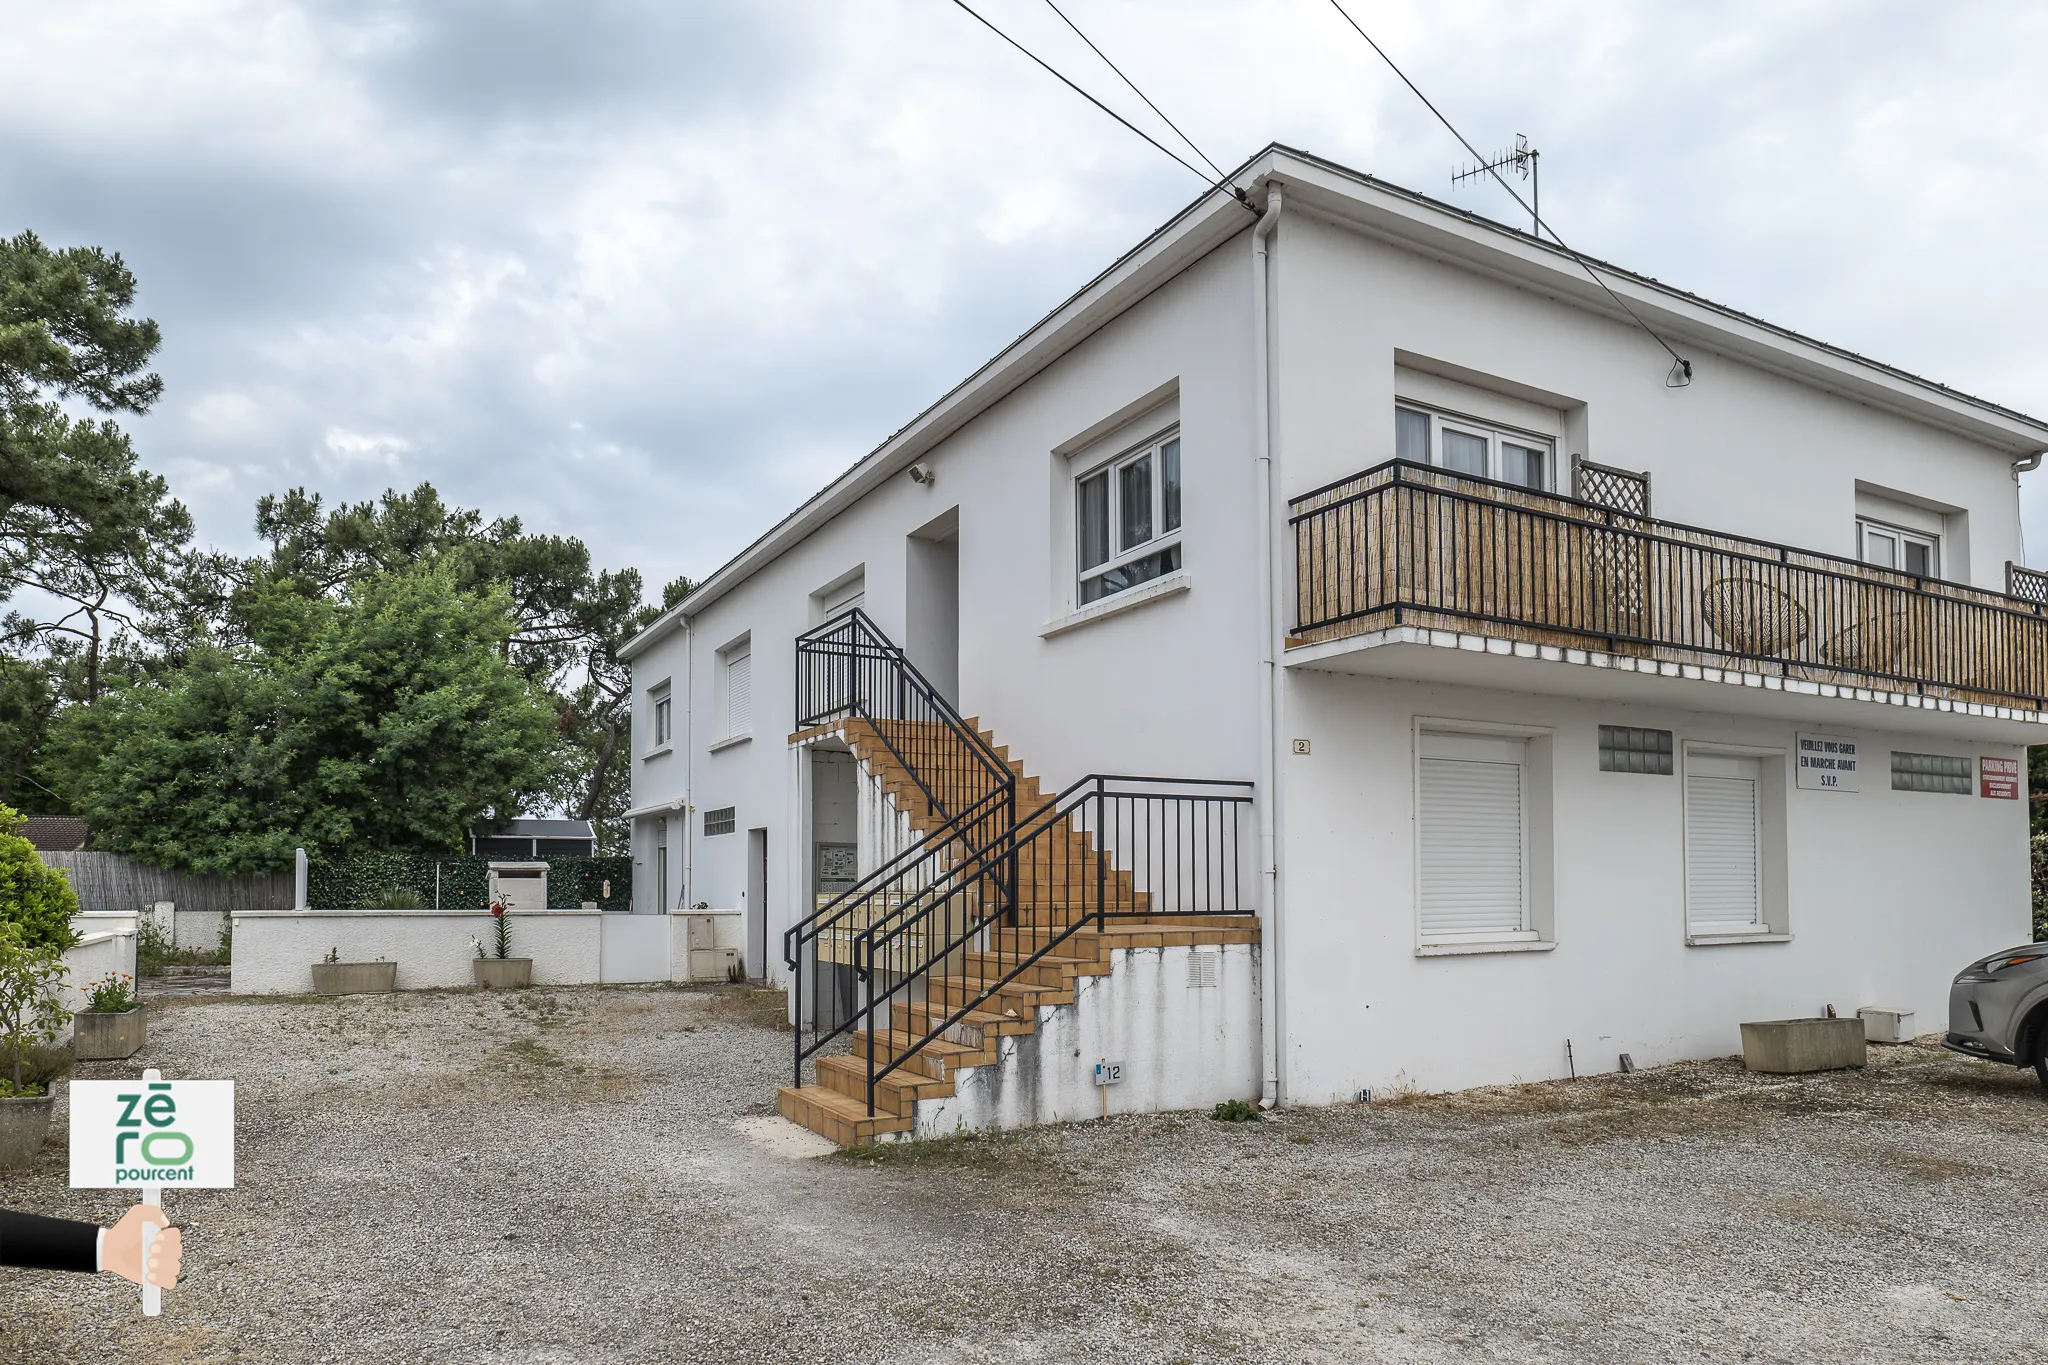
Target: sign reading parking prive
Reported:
[(1998, 778), (1829, 763), (131, 1134)]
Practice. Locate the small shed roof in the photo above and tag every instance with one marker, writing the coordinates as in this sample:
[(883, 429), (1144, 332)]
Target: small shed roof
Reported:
[(57, 833), (525, 828)]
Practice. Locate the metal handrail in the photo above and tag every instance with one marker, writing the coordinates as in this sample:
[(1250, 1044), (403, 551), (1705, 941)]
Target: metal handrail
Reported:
[(1221, 895), (848, 669), (1870, 615)]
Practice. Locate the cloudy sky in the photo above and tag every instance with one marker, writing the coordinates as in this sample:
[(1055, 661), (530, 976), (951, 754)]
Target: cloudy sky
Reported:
[(649, 273)]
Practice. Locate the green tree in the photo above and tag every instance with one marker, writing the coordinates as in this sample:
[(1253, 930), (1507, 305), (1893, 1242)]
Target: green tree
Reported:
[(34, 898), (388, 718), (79, 521), (568, 619)]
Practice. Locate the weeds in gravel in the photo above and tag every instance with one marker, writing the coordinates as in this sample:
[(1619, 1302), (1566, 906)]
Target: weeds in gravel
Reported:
[(1236, 1111), (997, 1151), (749, 1007)]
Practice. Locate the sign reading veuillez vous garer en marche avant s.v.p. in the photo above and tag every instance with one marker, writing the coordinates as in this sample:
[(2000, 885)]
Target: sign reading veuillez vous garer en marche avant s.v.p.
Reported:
[(1829, 763)]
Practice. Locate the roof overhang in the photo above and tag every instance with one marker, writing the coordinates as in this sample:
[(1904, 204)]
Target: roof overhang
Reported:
[(1416, 222)]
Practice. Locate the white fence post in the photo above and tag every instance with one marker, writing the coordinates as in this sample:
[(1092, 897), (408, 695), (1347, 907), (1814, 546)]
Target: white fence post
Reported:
[(299, 900)]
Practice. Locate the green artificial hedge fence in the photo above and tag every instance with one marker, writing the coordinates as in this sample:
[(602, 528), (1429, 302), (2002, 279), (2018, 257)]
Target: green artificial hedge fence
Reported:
[(364, 882)]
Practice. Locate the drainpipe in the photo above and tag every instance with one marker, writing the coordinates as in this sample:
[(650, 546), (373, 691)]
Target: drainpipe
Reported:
[(1273, 1013), (689, 766)]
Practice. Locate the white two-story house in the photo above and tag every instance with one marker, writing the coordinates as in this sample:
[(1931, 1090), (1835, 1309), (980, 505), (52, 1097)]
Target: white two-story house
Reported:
[(1339, 649)]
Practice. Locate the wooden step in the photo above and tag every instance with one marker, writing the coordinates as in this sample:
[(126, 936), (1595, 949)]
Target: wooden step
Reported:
[(896, 1093), (974, 1029), (936, 1060), (834, 1116)]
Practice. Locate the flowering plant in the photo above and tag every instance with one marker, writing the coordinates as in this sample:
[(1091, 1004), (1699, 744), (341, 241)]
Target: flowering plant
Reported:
[(113, 993), (504, 925)]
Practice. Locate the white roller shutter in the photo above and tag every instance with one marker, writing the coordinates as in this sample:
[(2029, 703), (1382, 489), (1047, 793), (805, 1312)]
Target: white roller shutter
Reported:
[(739, 695), (1472, 838), (1721, 845)]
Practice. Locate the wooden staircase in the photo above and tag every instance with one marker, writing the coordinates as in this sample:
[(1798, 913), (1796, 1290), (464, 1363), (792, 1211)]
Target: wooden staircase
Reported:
[(1061, 877)]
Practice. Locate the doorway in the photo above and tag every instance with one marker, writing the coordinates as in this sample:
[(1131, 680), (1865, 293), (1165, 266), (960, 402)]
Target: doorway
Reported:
[(932, 602), (757, 904)]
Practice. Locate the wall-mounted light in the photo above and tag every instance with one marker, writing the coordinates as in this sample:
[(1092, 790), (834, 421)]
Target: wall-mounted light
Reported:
[(922, 473)]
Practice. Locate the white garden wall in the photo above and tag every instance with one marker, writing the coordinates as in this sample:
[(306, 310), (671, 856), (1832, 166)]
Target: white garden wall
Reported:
[(99, 952), (275, 949)]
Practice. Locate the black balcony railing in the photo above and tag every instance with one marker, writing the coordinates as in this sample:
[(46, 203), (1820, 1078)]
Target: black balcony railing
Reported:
[(1408, 544)]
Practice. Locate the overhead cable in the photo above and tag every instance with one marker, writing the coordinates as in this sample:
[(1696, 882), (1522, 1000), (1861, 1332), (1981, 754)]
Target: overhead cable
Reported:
[(1681, 368), (1221, 180)]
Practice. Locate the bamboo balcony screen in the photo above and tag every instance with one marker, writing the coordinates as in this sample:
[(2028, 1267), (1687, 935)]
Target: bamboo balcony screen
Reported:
[(1409, 544)]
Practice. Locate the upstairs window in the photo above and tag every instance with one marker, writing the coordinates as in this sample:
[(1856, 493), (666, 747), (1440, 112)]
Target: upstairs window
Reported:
[(1127, 520), (736, 689), (1894, 547), (1464, 446), (663, 717)]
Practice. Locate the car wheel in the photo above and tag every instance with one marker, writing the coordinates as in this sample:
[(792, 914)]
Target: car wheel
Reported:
[(2041, 1056)]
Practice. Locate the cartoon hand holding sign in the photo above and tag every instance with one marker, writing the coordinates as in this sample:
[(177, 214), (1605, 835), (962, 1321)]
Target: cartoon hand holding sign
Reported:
[(143, 1135)]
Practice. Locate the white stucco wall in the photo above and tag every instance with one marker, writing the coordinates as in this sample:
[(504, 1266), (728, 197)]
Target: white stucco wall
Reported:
[(1187, 345), (1183, 1047), (99, 953), (275, 949), (1890, 893)]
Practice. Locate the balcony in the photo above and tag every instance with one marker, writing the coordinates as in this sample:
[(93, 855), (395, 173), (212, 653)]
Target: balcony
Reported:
[(1401, 570)]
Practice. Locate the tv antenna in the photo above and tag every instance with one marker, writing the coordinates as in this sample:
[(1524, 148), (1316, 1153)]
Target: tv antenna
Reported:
[(1522, 160)]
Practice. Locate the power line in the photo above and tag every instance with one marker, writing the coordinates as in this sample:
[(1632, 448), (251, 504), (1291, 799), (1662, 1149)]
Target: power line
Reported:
[(1221, 174), (1681, 368), (1221, 179)]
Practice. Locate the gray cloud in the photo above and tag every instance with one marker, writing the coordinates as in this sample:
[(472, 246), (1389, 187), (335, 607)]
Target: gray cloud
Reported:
[(650, 273)]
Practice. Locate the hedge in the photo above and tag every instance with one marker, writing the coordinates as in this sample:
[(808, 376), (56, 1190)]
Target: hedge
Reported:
[(364, 881)]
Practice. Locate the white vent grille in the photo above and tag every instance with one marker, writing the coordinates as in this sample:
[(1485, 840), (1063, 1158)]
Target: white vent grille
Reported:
[(1205, 969)]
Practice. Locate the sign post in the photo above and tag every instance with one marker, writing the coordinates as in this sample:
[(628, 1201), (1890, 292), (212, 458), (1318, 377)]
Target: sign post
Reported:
[(144, 1135)]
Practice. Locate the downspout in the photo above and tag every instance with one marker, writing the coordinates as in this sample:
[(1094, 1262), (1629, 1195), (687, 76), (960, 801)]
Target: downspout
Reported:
[(1272, 1011), (689, 768)]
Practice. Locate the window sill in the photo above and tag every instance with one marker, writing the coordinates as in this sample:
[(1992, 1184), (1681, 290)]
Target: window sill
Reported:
[(728, 742), (657, 752), (1167, 585), (1495, 946), (1721, 940)]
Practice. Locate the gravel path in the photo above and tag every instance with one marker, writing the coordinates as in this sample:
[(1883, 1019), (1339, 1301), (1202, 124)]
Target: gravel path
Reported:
[(595, 1176)]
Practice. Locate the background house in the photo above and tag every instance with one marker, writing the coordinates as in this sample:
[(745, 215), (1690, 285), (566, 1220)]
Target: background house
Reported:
[(530, 838)]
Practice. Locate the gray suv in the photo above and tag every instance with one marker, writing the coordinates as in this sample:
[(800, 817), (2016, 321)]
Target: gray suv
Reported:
[(1998, 1009)]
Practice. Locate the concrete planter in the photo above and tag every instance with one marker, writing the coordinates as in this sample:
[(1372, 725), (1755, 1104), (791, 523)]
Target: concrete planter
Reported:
[(503, 973), (1793, 1046), (24, 1127), (107, 1037), (354, 978)]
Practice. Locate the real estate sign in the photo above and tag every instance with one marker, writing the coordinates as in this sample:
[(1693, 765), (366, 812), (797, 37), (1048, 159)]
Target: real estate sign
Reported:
[(1829, 763), (131, 1134)]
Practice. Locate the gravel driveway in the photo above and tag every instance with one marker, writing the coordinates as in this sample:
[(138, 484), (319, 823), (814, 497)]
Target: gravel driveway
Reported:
[(596, 1176)]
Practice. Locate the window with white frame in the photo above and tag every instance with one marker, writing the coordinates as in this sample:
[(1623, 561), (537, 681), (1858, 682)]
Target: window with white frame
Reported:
[(1464, 445), (1473, 803), (1895, 547), (664, 716), (736, 689), (1127, 519)]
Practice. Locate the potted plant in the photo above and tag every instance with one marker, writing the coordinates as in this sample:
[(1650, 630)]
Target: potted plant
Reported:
[(31, 1017), (504, 971), (332, 976), (110, 1026)]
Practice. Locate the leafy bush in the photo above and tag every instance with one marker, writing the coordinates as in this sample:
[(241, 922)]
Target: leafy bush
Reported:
[(2040, 851), (30, 1013), (153, 952), (35, 897), (1236, 1111)]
